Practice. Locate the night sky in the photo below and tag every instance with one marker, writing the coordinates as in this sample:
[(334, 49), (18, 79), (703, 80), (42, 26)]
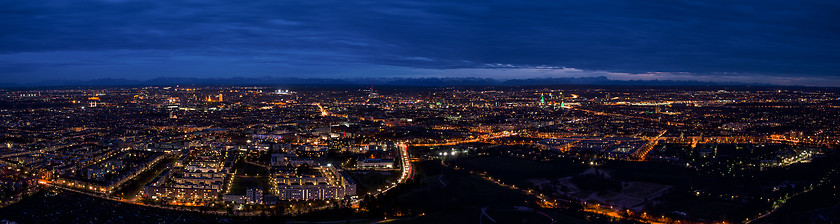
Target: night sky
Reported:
[(767, 41)]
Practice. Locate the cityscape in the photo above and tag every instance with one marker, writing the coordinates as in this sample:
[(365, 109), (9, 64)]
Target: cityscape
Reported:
[(539, 154), (419, 111)]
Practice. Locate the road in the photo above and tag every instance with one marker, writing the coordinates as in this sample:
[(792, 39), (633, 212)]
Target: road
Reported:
[(504, 134), (406, 172), (642, 153)]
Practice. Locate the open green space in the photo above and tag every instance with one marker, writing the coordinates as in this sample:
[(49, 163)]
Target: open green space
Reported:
[(242, 168), (241, 184), (817, 205), (518, 171), (134, 186), (442, 195), (247, 175), (371, 180)]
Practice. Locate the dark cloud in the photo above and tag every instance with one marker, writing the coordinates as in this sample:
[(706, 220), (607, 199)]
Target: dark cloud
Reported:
[(151, 38)]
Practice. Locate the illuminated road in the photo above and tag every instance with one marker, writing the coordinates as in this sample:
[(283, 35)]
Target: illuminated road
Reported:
[(641, 154), (504, 134), (323, 111), (406, 172), (751, 140), (626, 116)]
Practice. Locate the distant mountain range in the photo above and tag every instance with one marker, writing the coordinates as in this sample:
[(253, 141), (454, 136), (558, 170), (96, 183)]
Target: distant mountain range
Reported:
[(429, 82)]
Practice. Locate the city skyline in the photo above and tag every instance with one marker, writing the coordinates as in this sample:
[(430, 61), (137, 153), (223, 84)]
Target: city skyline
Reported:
[(775, 42), (351, 153)]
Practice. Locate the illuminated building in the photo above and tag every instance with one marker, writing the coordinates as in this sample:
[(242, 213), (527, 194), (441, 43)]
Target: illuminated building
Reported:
[(320, 183), (254, 195)]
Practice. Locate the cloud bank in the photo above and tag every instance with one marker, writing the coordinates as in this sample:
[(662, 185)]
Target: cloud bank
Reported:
[(754, 41)]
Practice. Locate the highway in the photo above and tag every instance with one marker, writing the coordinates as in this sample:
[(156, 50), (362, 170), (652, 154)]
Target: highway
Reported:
[(406, 172)]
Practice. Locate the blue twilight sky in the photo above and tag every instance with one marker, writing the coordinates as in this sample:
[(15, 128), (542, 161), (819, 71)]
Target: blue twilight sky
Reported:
[(766, 41)]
